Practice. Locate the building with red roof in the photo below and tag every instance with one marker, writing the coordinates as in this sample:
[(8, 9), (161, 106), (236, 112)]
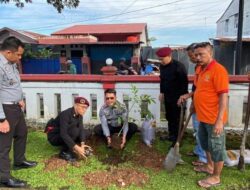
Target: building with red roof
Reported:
[(91, 45)]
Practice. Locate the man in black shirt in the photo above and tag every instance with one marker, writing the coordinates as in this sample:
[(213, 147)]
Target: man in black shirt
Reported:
[(173, 84), (67, 130)]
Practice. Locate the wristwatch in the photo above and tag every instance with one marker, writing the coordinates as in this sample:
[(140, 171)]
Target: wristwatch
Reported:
[(2, 120)]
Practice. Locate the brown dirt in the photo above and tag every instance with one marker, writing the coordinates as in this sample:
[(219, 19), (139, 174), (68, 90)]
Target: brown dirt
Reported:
[(55, 163), (145, 156), (115, 158), (148, 157), (94, 142), (116, 141), (120, 177)]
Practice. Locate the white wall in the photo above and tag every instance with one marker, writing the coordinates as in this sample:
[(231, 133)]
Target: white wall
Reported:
[(229, 15), (67, 90)]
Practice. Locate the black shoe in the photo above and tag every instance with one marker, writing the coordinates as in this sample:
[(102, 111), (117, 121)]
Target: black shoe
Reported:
[(68, 156), (12, 183), (25, 164), (109, 146)]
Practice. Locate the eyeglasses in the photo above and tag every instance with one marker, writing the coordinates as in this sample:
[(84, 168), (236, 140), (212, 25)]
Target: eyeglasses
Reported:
[(110, 98)]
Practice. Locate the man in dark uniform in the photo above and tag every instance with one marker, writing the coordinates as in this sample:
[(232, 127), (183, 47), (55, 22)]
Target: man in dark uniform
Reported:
[(173, 84), (12, 122), (114, 118), (67, 131)]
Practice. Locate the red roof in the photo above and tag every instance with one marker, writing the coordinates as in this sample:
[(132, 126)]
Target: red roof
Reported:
[(133, 28), (60, 41), (31, 34)]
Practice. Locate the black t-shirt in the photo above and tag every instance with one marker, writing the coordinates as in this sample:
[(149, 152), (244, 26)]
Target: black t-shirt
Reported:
[(173, 80)]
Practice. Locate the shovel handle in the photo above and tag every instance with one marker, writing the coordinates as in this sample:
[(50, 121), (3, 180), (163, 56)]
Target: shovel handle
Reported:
[(180, 123), (185, 126)]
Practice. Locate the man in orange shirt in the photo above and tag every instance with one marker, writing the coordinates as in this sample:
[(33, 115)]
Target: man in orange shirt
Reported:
[(198, 151), (210, 101)]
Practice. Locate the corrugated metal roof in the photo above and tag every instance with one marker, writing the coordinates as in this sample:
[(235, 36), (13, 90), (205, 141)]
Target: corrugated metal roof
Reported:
[(231, 39), (103, 29), (24, 37)]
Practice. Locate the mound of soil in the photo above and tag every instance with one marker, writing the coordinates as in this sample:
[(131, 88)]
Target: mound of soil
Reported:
[(148, 157), (55, 163), (114, 160), (120, 177)]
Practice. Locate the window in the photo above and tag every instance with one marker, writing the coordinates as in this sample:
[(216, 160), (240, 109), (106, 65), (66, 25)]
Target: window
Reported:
[(93, 98), (226, 25), (236, 18), (40, 104), (58, 103)]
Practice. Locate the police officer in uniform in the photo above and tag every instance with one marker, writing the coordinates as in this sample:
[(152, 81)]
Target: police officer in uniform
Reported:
[(12, 122), (67, 131), (114, 118), (173, 84)]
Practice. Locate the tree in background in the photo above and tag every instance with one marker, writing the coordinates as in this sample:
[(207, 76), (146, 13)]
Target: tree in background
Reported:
[(58, 4)]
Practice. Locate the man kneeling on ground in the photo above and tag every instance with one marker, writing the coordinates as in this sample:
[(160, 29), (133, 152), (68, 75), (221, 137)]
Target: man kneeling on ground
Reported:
[(114, 118), (67, 130)]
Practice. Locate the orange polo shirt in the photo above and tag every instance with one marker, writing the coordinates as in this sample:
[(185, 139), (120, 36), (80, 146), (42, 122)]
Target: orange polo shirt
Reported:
[(210, 83)]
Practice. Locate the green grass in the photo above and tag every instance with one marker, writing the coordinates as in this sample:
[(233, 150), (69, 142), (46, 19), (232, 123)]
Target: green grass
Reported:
[(182, 178)]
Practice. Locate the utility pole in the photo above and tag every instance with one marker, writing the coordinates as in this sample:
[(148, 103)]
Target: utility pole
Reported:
[(239, 38)]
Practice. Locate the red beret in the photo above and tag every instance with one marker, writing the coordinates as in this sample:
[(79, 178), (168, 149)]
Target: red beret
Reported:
[(81, 100), (163, 52)]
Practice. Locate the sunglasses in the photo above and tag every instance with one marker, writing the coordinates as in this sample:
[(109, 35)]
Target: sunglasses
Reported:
[(110, 98)]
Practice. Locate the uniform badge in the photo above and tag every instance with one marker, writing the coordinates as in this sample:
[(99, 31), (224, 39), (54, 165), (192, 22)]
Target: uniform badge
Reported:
[(82, 101), (11, 82), (207, 77)]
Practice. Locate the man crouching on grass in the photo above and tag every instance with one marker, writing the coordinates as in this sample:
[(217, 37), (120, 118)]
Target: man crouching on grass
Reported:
[(67, 131), (114, 119), (210, 101)]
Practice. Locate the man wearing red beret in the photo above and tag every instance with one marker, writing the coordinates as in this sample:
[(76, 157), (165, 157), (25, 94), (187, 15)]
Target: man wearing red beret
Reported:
[(173, 84), (67, 130)]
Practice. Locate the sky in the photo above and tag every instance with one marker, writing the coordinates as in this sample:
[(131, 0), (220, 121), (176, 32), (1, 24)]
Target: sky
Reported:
[(169, 22)]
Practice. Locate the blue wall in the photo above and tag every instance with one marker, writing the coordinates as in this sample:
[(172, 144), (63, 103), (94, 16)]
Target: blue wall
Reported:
[(46, 66), (99, 54)]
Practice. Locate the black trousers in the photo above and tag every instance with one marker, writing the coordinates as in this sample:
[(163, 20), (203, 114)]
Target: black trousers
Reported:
[(55, 139), (172, 111), (132, 129), (18, 132)]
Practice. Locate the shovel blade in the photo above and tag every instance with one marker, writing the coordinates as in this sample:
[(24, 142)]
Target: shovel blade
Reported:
[(170, 160)]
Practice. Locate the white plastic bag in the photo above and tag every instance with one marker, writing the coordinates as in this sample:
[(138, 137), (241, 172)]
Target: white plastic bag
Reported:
[(148, 131), (233, 157)]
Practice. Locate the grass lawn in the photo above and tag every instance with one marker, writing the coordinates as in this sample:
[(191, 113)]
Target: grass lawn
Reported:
[(70, 176)]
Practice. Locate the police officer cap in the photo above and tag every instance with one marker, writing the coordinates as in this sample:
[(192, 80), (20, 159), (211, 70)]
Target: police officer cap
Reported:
[(163, 52), (81, 100)]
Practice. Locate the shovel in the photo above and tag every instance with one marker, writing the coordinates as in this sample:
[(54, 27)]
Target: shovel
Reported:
[(173, 156)]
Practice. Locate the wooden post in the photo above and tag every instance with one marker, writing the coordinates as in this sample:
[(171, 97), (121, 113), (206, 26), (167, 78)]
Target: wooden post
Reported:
[(241, 165)]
